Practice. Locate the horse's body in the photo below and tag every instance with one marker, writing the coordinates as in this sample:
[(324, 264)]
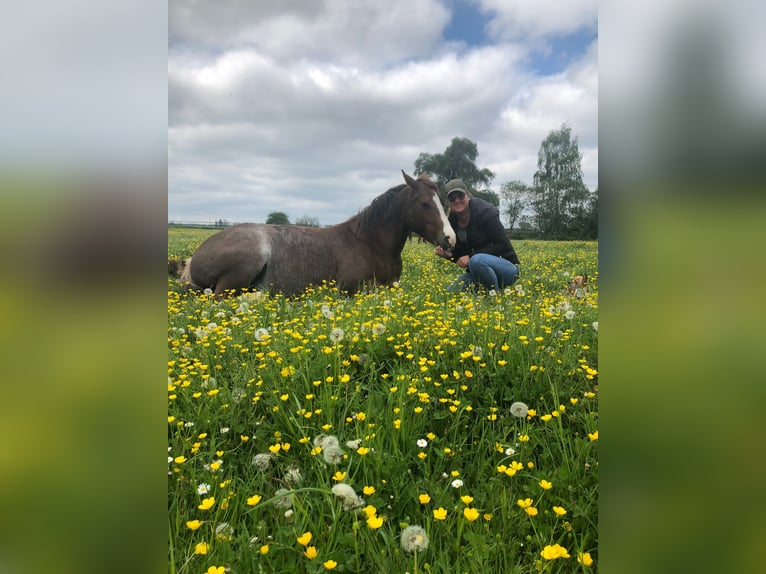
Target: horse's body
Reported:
[(365, 249)]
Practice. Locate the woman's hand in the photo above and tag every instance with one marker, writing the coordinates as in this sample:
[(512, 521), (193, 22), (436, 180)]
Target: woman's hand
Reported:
[(462, 262)]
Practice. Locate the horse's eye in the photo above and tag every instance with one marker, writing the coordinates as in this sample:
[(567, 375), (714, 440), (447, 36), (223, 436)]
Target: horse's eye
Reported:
[(425, 205)]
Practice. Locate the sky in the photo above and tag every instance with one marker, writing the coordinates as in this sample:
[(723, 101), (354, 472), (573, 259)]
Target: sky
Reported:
[(314, 108)]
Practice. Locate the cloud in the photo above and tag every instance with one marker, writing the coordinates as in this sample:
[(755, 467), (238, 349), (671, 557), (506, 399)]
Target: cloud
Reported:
[(314, 111)]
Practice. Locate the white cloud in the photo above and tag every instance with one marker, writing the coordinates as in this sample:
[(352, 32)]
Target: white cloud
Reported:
[(315, 113)]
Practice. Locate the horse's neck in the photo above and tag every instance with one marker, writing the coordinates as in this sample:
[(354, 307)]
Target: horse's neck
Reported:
[(389, 234)]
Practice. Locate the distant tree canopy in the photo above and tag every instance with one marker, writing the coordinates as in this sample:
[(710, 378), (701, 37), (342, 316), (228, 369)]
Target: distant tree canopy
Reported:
[(278, 218), (559, 196), (457, 161), (307, 221)]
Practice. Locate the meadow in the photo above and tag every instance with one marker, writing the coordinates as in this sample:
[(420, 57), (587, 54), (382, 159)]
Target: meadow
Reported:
[(404, 429)]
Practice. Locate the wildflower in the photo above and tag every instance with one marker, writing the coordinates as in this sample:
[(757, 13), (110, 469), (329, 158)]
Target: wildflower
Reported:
[(253, 500), (216, 569), (466, 499), (526, 503), (203, 488), (332, 454), (261, 334), (327, 312), (354, 444), (193, 524), (363, 450), (545, 485), (348, 496), (330, 564), (422, 443), (201, 548), (336, 335), (531, 511), (471, 514), (311, 552), (553, 552), (414, 539), (440, 513), (305, 538), (559, 510), (378, 329), (339, 476), (293, 475), (569, 314), (368, 490), (375, 522), (282, 499), (457, 483), (325, 441), (595, 326), (369, 510), (593, 436), (519, 409), (207, 503), (424, 498), (179, 459), (585, 559)]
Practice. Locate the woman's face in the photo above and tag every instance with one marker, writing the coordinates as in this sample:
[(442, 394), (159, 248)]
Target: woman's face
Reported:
[(458, 202)]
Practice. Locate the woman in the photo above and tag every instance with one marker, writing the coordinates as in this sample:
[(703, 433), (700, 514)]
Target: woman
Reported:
[(483, 247)]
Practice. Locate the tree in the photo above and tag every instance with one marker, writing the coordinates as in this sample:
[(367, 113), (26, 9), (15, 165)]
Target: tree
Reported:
[(278, 218), (307, 221), (457, 161), (559, 194), (487, 195), (517, 196)]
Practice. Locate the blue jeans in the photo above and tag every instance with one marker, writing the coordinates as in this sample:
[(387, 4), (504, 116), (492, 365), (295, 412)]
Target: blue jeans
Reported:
[(491, 271)]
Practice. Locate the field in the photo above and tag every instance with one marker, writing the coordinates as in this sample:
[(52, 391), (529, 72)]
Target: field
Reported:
[(406, 429)]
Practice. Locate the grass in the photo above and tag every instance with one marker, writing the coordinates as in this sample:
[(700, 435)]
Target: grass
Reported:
[(417, 386)]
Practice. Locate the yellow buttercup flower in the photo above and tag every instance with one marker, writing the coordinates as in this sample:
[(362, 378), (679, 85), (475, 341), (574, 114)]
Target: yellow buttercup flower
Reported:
[(207, 503), (559, 510), (440, 513), (375, 522), (311, 552), (201, 548), (424, 498), (193, 524), (532, 511), (585, 559), (545, 485), (554, 552), (253, 500), (471, 514), (368, 490), (466, 499), (330, 564), (304, 538), (526, 503)]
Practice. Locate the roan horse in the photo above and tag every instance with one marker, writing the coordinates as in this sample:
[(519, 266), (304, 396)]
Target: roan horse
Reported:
[(363, 250)]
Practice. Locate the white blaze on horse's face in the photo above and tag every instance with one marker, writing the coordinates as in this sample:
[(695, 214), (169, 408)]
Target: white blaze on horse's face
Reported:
[(449, 233)]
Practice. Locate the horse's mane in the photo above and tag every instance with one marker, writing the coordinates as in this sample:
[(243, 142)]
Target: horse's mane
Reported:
[(366, 219)]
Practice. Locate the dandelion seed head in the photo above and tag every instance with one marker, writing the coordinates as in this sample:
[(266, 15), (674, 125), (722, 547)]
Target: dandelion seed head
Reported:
[(336, 335), (261, 461), (519, 409), (283, 499), (261, 334), (414, 539), (332, 454)]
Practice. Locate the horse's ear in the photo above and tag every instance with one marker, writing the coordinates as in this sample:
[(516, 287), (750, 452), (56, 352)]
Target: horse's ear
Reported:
[(408, 179)]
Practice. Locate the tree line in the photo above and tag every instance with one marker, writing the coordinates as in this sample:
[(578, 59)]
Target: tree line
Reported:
[(556, 205)]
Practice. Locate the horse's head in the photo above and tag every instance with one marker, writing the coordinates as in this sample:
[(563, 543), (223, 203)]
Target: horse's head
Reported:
[(425, 213)]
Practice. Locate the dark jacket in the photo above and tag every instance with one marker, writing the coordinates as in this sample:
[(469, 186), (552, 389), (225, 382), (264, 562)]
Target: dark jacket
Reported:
[(485, 233)]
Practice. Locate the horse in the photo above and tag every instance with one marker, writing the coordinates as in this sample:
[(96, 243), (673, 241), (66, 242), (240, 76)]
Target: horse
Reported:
[(363, 250)]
